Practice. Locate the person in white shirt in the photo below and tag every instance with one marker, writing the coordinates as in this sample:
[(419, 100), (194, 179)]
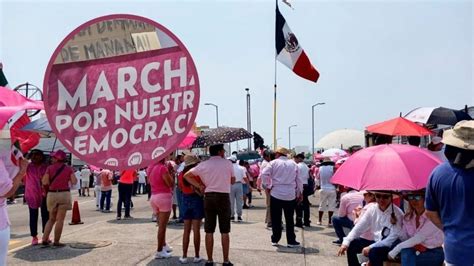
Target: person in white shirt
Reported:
[(384, 220), (77, 186), (85, 176), (236, 191), (141, 181), (268, 156), (327, 193), (302, 208)]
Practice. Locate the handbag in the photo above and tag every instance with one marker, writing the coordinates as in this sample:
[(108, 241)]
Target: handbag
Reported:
[(46, 187)]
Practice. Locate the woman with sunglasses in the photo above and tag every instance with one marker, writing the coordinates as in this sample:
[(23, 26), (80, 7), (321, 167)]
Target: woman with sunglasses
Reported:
[(384, 220), (422, 240)]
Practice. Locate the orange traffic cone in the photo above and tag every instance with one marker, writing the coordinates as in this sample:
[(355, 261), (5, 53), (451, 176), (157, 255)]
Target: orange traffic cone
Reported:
[(76, 216)]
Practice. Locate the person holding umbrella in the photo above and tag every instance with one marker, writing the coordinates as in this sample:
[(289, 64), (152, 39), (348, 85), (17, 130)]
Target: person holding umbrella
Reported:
[(384, 220), (449, 194)]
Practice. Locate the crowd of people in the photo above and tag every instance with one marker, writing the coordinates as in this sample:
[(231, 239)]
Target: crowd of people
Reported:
[(424, 227)]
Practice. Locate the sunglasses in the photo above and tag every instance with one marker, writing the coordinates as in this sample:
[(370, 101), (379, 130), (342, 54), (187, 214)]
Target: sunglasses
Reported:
[(382, 196), (414, 197)]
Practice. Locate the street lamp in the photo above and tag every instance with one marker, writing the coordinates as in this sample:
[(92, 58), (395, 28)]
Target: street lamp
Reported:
[(217, 112), (312, 126), (289, 136), (249, 122)]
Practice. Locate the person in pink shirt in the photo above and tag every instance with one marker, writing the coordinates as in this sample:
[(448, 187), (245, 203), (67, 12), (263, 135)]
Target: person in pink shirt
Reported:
[(58, 200), (34, 195), (105, 176), (286, 189), (161, 200), (8, 187), (217, 174), (345, 217), (422, 240)]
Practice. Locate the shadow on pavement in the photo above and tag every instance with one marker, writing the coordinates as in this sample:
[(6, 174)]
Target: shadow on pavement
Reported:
[(329, 234), (172, 261), (313, 229), (40, 253), (131, 221), (14, 236)]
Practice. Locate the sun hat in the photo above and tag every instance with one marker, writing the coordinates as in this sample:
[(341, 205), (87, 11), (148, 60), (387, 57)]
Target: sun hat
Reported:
[(282, 150), (59, 154), (461, 136), (190, 159)]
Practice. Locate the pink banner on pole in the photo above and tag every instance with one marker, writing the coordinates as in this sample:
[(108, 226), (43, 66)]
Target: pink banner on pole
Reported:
[(125, 111), (12, 102)]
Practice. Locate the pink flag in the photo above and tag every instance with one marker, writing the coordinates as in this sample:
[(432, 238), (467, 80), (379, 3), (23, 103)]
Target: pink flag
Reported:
[(12, 102)]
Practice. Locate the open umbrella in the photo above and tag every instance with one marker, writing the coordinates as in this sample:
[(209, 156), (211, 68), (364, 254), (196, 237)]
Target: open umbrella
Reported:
[(245, 156), (221, 135), (188, 140), (387, 167), (439, 115), (399, 127), (334, 152)]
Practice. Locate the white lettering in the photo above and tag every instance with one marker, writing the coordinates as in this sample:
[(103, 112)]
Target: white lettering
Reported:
[(99, 118), (181, 72), (134, 140), (80, 144), (188, 97), (150, 128), (102, 146), (126, 85), (119, 112), (144, 78), (154, 106), (77, 119), (63, 121), (79, 95), (102, 90), (124, 135), (165, 129), (177, 128)]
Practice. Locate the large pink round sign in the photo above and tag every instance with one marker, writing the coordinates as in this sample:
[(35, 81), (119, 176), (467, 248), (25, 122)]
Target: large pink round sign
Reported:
[(121, 92)]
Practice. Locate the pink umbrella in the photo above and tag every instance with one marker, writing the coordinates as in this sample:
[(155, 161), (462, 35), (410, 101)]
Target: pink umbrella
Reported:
[(188, 140), (387, 167)]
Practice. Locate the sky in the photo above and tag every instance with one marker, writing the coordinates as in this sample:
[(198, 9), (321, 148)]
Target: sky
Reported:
[(375, 58)]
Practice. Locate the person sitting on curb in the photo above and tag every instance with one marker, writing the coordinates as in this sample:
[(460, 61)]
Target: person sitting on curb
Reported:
[(422, 240), (384, 220)]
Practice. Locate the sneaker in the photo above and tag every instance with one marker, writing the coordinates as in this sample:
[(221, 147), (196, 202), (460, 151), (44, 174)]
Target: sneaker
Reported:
[(275, 244), (209, 263), (337, 242), (227, 264), (239, 219), (167, 248), (183, 260), (162, 255), (128, 218), (197, 259), (34, 241), (307, 224), (300, 225), (245, 206), (294, 245), (118, 218)]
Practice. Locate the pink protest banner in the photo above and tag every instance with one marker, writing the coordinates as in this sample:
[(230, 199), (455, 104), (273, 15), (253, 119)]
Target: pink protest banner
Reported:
[(125, 111)]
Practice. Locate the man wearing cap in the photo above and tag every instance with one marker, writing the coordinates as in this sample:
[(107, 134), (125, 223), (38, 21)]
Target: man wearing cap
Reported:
[(236, 191), (281, 177), (217, 175), (449, 194)]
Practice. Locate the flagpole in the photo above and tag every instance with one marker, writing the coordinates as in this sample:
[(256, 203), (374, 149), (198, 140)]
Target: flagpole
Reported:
[(275, 89)]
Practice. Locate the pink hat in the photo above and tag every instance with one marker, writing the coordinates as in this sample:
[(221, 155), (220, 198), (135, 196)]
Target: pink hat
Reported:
[(59, 154)]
